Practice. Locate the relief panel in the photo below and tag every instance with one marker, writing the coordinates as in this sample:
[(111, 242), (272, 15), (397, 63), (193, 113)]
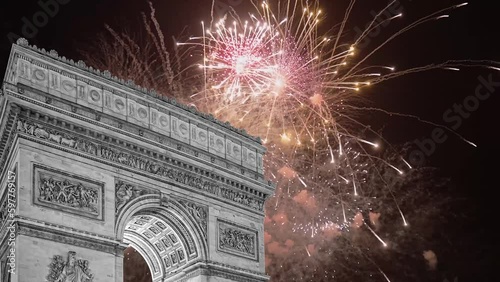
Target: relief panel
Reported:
[(68, 193), (237, 240)]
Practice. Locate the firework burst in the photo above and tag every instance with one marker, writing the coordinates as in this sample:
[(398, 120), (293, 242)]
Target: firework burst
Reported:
[(278, 78), (276, 75)]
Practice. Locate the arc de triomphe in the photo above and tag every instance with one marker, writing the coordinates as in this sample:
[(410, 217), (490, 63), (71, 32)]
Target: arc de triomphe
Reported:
[(91, 164)]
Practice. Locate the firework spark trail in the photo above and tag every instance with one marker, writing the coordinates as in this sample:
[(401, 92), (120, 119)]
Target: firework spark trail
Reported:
[(416, 118), (279, 78), (305, 35), (281, 97), (405, 30)]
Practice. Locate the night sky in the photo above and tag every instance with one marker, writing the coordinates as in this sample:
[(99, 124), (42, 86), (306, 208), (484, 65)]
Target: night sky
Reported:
[(470, 33)]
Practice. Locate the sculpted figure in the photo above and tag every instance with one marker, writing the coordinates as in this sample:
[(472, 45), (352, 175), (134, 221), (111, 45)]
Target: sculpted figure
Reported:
[(74, 271)]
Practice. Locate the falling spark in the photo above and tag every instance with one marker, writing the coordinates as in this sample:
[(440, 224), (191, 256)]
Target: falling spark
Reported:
[(408, 164), (369, 143), (302, 181), (308, 253), (376, 236)]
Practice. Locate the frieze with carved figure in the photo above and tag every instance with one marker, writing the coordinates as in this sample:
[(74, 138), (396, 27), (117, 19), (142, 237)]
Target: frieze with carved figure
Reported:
[(237, 240), (65, 192), (200, 214), (54, 136), (125, 192), (70, 193), (69, 270), (140, 163)]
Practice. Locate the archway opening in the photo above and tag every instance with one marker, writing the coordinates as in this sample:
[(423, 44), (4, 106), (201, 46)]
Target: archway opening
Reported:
[(135, 267), (156, 251)]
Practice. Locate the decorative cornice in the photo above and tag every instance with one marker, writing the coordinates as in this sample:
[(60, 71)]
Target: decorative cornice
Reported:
[(64, 228), (62, 236), (7, 133), (223, 265), (153, 138), (194, 177), (106, 75)]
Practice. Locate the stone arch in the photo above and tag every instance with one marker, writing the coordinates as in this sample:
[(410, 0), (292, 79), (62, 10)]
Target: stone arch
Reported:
[(171, 219), (89, 145), (150, 257)]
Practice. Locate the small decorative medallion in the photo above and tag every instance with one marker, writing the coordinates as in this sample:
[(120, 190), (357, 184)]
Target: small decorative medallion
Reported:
[(39, 74), (142, 113), (119, 104), (95, 96)]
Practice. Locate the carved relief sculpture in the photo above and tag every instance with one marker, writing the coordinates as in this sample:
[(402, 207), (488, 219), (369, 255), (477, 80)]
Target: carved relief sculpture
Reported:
[(143, 164), (72, 270), (56, 137), (237, 240), (200, 214), (126, 192), (70, 193)]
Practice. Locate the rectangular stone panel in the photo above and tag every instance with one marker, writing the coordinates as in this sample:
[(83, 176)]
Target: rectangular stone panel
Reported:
[(54, 83), (260, 163), (233, 150), (216, 144), (159, 121), (180, 129), (67, 192), (24, 72), (40, 77), (137, 112), (81, 92), (249, 157), (68, 87), (199, 137), (95, 97), (115, 105), (237, 240)]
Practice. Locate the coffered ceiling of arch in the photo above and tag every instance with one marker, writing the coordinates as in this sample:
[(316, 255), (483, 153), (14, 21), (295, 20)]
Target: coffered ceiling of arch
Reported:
[(161, 238)]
